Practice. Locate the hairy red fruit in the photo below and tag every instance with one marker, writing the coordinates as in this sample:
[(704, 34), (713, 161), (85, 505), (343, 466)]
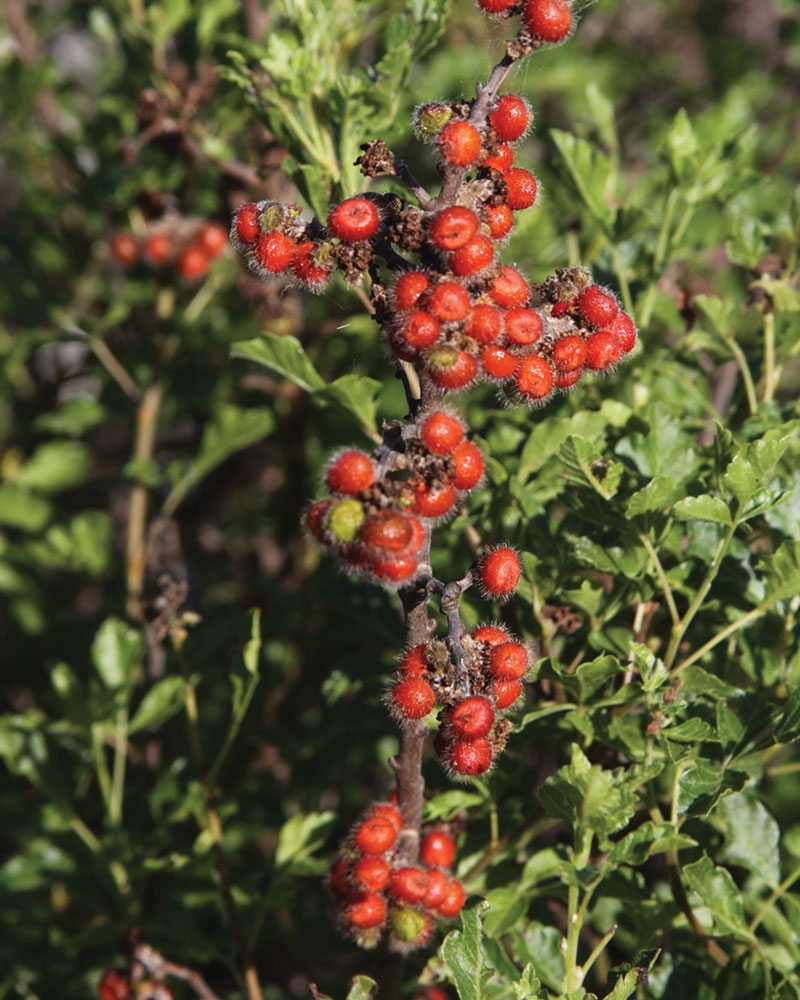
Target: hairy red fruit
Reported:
[(490, 635), (158, 247), (508, 661), (460, 143), (470, 757), (510, 118), (193, 263), (449, 302), (212, 238), (370, 873), (623, 330), (437, 849), (453, 227), (414, 662), (365, 910), (114, 986), (389, 812), (569, 353), (338, 879), (432, 993), (438, 886), (602, 351), (408, 884), (566, 380), (375, 835), (458, 374), (306, 267), (562, 308), (413, 697), (523, 326), (472, 717), (500, 220), (125, 249), (499, 572), (510, 288), (386, 529), (394, 569), (547, 20), (522, 188), (498, 362), (274, 251), (506, 693), (485, 324), (433, 501), (454, 900), (350, 472), (500, 160), (408, 288), (597, 306), (468, 461), (534, 378), (472, 258), (421, 330), (441, 432), (354, 219), (248, 223), (315, 519), (496, 6)]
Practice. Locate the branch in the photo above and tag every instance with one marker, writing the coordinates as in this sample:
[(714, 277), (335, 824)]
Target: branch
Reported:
[(158, 966)]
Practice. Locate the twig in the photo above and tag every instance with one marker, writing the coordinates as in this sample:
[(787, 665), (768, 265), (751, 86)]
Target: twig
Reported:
[(135, 558), (158, 966)]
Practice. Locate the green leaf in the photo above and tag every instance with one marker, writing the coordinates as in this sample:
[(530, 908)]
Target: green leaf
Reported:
[(358, 395), (528, 987), (625, 986), (718, 892), (283, 355), (596, 674), (540, 947), (164, 699), (447, 804), (645, 841), (55, 466), (749, 471), (658, 494), (782, 571), (507, 906), (585, 466), (751, 836), (21, 509), (691, 731), (299, 838), (703, 508), (363, 988), (591, 173), (703, 783), (462, 953), (682, 146), (116, 650)]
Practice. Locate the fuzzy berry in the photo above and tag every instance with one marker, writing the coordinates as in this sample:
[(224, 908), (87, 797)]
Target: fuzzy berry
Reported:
[(316, 517), (412, 698), (350, 472), (453, 227), (408, 884), (499, 572), (452, 369), (534, 378), (437, 849), (339, 880), (510, 288), (569, 354), (468, 462), (507, 693), (498, 362), (193, 263), (212, 238), (410, 926), (597, 306), (623, 330), (375, 835), (472, 717), (247, 223), (421, 330), (434, 501), (566, 380), (389, 812), (344, 520), (547, 20), (522, 188), (394, 570), (523, 326), (114, 985), (158, 247), (470, 757), (508, 661), (453, 901), (438, 887), (441, 432), (500, 219), (389, 530), (432, 993), (473, 257), (430, 119), (306, 268), (460, 143), (414, 663), (485, 324), (365, 910), (495, 6), (124, 249), (449, 302), (501, 159), (354, 219), (510, 118), (490, 635), (602, 351), (370, 873), (273, 251), (408, 288)]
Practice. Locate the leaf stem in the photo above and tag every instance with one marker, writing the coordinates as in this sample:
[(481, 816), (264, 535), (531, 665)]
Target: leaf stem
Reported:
[(599, 949), (576, 910), (773, 898), (729, 630), (768, 392), (669, 597)]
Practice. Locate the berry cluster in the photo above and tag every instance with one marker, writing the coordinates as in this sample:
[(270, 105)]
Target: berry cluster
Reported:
[(377, 892), (188, 246), (120, 985), (381, 506)]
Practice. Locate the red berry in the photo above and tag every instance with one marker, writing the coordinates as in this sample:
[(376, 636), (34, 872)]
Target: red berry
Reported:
[(500, 160), (455, 898), (499, 363), (413, 698), (495, 6), (388, 811), (510, 118), (273, 250), (433, 501), (506, 693), (408, 884), (472, 258), (499, 571), (500, 219), (470, 756), (472, 717), (453, 227), (387, 529), (193, 263), (522, 188), (414, 662), (623, 330), (508, 661), (315, 519), (566, 380), (509, 288), (365, 910), (212, 238), (468, 461), (438, 887), (114, 986), (397, 569), (449, 302), (338, 879), (350, 472), (569, 353), (490, 635), (421, 330), (460, 143), (437, 849), (458, 374), (534, 378), (597, 306), (408, 289), (306, 267), (523, 326), (441, 432), (547, 20), (432, 993), (158, 247), (248, 223), (125, 249), (371, 873), (354, 219), (562, 308), (485, 324), (602, 351), (375, 835)]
